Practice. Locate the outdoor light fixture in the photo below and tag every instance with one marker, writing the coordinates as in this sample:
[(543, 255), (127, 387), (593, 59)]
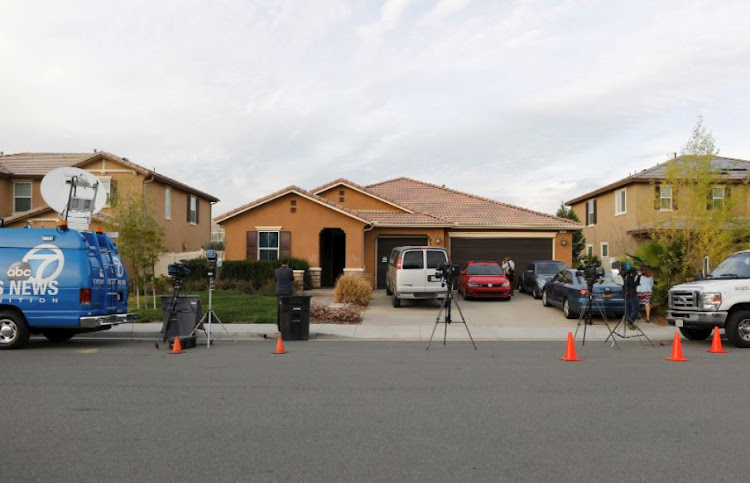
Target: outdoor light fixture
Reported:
[(564, 242)]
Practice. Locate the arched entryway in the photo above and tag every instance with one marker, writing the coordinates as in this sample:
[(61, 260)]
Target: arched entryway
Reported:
[(332, 255)]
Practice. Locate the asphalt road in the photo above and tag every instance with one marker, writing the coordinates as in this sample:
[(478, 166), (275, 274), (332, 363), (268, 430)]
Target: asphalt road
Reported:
[(371, 411)]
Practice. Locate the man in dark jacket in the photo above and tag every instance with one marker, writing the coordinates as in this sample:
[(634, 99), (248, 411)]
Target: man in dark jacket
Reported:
[(284, 286)]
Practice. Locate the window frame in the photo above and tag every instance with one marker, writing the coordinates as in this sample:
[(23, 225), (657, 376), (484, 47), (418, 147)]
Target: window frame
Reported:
[(602, 246), (624, 209), (591, 213), (168, 203), (30, 197), (105, 183), (714, 198), (589, 250), (193, 211), (662, 198), (277, 250)]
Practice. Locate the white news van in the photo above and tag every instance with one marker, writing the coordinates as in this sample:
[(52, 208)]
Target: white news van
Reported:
[(721, 299)]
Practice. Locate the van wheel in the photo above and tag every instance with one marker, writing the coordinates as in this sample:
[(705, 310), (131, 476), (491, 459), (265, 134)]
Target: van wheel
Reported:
[(738, 328), (14, 331), (58, 335), (396, 301)]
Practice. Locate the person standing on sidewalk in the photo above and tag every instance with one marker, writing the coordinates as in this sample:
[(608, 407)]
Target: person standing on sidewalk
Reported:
[(284, 287), (645, 288)]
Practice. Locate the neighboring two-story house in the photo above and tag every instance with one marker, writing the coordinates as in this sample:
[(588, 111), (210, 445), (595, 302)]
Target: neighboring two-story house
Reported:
[(618, 216), (181, 210)]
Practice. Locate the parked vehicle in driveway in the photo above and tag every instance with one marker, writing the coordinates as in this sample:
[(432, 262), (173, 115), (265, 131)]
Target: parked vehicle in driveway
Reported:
[(568, 290), (538, 273), (484, 279), (721, 299), (412, 273)]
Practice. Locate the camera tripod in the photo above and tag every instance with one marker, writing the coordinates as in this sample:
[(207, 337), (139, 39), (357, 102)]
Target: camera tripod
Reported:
[(209, 316), (585, 318), (445, 308), (638, 331)]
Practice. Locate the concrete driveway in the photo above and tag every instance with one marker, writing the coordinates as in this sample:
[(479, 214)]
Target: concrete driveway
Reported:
[(521, 310)]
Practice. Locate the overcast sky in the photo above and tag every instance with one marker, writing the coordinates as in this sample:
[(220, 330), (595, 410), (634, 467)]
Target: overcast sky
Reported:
[(526, 102)]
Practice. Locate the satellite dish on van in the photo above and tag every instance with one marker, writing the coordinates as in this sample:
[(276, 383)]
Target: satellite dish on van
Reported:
[(75, 194)]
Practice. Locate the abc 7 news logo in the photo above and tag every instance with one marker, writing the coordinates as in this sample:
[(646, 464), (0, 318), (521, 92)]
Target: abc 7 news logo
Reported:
[(49, 260)]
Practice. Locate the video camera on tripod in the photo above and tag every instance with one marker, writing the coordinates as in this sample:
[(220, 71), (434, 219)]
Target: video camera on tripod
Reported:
[(591, 273), (178, 272), (448, 273)]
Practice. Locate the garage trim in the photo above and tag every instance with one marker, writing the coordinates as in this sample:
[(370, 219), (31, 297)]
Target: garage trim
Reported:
[(509, 234)]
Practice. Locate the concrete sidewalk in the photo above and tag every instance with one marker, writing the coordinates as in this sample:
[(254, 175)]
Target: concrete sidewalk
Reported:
[(151, 331)]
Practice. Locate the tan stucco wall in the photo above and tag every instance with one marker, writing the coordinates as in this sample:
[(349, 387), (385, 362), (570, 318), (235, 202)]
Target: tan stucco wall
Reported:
[(306, 224), (355, 200), (6, 197), (640, 212)]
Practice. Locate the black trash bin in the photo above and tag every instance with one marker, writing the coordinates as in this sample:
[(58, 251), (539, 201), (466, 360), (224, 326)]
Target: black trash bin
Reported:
[(187, 313), (294, 317)]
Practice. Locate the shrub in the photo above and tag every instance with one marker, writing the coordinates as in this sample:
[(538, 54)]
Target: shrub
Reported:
[(259, 272), (348, 314), (353, 288)]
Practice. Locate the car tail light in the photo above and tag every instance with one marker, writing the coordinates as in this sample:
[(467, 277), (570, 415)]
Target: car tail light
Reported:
[(583, 291), (398, 263), (85, 296)]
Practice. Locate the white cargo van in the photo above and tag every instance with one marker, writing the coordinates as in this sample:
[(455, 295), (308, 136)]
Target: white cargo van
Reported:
[(413, 274)]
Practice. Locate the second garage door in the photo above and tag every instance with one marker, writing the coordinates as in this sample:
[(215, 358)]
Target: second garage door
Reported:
[(521, 250)]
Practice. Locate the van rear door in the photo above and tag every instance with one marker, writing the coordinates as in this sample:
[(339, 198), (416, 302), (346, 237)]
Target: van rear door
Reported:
[(435, 258), (412, 276)]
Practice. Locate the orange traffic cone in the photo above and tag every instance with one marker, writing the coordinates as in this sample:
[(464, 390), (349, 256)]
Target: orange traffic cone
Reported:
[(279, 346), (677, 349), (570, 350), (716, 343), (177, 346)]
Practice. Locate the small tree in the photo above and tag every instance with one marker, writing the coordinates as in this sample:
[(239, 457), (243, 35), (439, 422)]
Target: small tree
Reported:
[(140, 238), (703, 221), (579, 242)]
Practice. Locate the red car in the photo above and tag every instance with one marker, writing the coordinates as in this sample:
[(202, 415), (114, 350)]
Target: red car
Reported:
[(484, 279)]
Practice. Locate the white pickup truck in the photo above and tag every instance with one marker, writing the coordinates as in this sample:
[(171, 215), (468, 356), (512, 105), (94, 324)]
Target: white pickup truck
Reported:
[(720, 299)]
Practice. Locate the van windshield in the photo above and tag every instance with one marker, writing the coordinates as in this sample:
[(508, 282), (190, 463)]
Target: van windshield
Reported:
[(735, 266)]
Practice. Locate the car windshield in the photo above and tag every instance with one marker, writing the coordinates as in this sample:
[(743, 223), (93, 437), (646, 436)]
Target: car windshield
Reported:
[(549, 268), (608, 279), (484, 270), (736, 266)]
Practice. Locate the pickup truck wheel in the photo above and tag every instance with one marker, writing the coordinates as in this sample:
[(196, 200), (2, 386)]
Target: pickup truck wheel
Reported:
[(14, 331), (58, 335), (695, 334), (396, 301), (738, 328)]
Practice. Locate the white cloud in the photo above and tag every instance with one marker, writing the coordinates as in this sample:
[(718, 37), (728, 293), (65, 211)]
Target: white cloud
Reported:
[(530, 102)]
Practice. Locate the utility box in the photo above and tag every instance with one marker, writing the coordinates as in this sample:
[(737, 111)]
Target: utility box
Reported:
[(187, 313), (294, 317)]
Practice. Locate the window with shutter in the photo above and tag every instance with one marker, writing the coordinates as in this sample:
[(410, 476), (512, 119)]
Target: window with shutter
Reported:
[(285, 244), (251, 252)]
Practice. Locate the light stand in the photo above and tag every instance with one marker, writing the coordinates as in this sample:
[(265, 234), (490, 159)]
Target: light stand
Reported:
[(445, 308), (211, 263)]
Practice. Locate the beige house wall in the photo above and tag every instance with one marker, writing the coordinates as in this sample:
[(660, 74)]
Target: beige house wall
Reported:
[(612, 228), (305, 226), (6, 197)]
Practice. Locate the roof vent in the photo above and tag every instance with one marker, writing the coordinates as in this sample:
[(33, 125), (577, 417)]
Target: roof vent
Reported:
[(94, 149)]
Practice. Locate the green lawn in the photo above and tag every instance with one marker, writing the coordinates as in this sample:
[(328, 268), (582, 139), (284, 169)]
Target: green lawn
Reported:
[(231, 306)]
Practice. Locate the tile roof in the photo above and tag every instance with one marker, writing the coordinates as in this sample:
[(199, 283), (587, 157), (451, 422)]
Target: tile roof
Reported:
[(39, 164), (289, 189), (730, 169), (463, 209), (358, 187), (396, 218)]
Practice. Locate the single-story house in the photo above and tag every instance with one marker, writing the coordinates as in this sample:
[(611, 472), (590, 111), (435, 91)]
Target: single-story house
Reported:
[(344, 227)]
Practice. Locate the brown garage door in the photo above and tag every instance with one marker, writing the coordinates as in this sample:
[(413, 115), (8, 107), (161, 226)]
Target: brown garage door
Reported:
[(385, 245), (521, 250)]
